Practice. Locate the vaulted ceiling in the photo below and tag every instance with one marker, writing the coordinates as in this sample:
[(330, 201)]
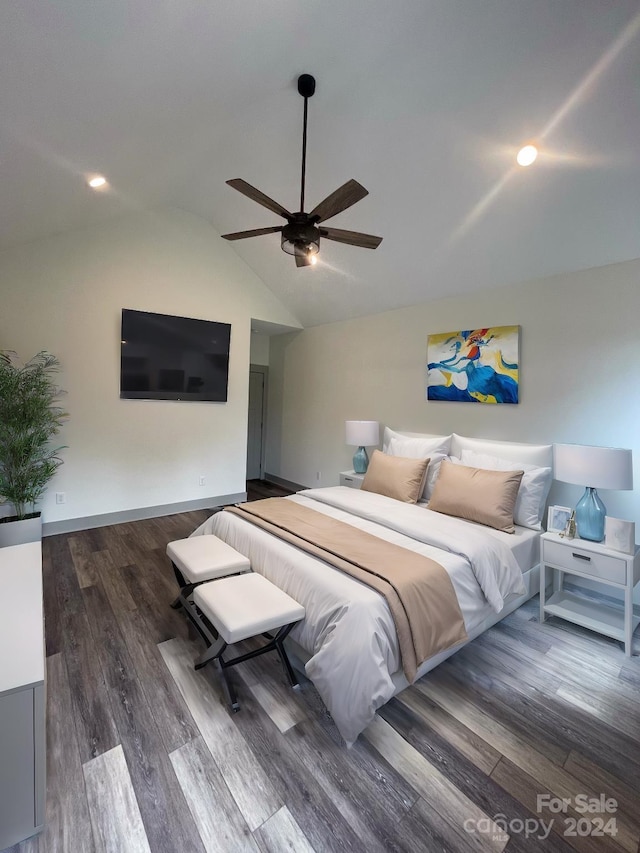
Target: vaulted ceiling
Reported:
[(425, 102)]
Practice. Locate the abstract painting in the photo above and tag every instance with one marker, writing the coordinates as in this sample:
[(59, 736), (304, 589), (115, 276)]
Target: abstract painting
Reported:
[(474, 366)]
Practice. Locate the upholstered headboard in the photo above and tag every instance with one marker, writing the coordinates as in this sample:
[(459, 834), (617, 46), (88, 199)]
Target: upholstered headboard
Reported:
[(534, 454), (389, 434)]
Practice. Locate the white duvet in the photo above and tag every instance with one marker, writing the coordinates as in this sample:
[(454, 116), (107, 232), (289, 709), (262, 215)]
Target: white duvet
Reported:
[(348, 630)]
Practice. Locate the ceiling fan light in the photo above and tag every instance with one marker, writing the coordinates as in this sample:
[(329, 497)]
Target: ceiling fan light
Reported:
[(306, 249), (300, 240), (298, 247)]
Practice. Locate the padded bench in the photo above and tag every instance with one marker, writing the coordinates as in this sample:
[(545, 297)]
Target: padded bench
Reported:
[(244, 606), (198, 560)]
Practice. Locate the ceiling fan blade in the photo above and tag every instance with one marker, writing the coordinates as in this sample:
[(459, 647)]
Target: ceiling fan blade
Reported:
[(303, 260), (353, 238), (240, 235), (340, 200), (254, 194)]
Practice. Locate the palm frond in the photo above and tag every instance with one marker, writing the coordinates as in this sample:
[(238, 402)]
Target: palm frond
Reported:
[(29, 420)]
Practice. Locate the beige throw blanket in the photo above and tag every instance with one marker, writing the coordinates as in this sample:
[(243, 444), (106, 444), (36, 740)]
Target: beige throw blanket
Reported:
[(418, 590)]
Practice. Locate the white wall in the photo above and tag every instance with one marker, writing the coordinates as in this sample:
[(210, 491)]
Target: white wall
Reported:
[(259, 353), (65, 294), (580, 351)]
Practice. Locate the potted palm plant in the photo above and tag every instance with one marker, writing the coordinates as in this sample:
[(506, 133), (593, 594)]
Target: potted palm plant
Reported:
[(29, 419)]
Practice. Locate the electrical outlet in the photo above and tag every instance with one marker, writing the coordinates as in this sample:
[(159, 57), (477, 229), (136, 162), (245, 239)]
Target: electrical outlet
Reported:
[(202, 480), (318, 476), (61, 497)]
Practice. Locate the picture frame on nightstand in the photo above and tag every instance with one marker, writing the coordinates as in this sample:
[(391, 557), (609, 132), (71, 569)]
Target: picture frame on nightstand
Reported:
[(619, 534), (558, 518)]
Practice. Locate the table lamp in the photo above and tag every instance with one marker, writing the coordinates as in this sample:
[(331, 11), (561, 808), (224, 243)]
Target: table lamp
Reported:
[(594, 468), (362, 433)]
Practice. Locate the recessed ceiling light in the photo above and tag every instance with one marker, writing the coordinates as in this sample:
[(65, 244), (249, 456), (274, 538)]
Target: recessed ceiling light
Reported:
[(527, 155), (98, 182)]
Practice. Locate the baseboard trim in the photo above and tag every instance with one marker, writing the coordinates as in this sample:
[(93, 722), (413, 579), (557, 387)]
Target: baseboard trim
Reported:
[(286, 484), (71, 525)]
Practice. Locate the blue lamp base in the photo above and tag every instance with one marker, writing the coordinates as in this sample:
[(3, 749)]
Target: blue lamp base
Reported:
[(361, 461), (590, 513)]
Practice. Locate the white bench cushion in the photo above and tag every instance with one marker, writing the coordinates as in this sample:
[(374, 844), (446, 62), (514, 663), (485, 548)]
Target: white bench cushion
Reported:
[(246, 605), (201, 558)]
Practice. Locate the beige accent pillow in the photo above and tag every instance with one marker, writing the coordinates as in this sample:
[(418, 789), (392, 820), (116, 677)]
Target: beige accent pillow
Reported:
[(477, 494), (395, 476), (435, 448)]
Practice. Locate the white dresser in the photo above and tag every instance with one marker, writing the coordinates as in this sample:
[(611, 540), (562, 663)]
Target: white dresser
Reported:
[(22, 696)]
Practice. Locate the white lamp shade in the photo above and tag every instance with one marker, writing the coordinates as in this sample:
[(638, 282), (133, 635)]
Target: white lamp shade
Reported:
[(363, 433), (596, 467)]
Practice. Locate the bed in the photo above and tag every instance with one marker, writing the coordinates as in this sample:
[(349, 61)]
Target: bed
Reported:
[(348, 641)]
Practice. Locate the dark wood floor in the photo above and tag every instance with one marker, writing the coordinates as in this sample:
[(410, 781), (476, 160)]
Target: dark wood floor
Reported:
[(144, 756), (257, 489)]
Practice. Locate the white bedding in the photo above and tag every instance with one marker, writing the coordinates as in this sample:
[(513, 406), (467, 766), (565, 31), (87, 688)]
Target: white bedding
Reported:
[(524, 544), (348, 630)]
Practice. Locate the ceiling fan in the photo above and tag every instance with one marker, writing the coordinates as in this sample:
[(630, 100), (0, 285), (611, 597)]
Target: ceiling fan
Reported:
[(301, 235)]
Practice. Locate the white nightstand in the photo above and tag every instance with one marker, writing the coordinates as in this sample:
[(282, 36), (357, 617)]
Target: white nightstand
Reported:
[(351, 479), (591, 560)]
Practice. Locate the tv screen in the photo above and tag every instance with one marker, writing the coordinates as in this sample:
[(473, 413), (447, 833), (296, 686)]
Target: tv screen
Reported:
[(173, 358)]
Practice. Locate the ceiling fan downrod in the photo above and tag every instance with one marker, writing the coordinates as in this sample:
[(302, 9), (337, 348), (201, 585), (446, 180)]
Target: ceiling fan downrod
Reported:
[(306, 88)]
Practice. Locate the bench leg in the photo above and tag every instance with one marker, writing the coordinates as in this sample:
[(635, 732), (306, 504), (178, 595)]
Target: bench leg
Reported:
[(274, 643), (185, 588), (181, 583), (214, 651), (293, 681), (231, 693), (278, 642), (182, 599), (201, 624)]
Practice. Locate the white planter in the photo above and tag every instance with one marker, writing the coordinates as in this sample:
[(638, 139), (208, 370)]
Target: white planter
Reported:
[(18, 532)]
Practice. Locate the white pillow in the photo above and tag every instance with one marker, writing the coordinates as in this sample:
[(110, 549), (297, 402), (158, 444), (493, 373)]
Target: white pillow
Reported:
[(427, 437), (530, 454), (534, 487), (434, 448)]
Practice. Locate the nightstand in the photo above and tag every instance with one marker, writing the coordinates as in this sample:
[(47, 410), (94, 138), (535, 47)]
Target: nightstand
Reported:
[(351, 479), (594, 561)]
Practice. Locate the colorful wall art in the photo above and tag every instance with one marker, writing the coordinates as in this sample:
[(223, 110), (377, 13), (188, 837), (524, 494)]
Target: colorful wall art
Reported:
[(474, 366)]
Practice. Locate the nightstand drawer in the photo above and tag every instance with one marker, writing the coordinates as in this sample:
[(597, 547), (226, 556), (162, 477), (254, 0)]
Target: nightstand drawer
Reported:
[(351, 479), (573, 558)]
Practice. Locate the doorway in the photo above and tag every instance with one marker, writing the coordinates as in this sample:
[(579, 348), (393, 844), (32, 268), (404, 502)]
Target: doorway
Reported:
[(258, 374)]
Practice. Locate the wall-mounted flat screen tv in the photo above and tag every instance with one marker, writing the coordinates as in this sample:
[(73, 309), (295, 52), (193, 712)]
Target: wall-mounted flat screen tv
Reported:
[(173, 358)]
